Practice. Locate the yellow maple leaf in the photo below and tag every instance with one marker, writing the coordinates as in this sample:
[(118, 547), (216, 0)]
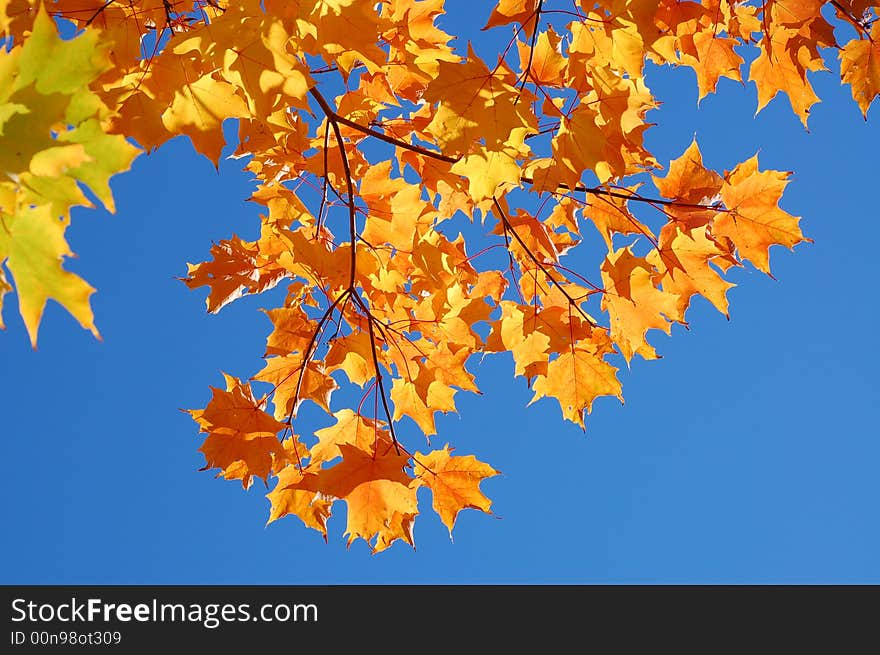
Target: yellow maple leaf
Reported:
[(634, 303), (684, 263), (514, 11), (488, 172), (575, 379), (780, 67), (454, 482), (366, 128), (476, 104), (198, 110), (547, 62), (292, 383), (242, 438), (350, 429)]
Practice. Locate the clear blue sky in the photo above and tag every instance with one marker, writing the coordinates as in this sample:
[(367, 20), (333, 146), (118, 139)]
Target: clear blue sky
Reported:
[(749, 453)]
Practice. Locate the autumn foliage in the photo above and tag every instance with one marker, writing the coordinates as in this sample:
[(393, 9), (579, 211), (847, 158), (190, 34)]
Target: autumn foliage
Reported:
[(367, 127)]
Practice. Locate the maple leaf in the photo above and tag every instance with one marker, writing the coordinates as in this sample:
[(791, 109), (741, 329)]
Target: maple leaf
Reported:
[(685, 260), (238, 268), (793, 33), (611, 215), (580, 146), (634, 303), (398, 214), (198, 110), (293, 380), (543, 61), (53, 65), (420, 399), (755, 221), (860, 68), (292, 333), (514, 11), (242, 438), (486, 171), (715, 58), (476, 104), (43, 86), (32, 245), (454, 482), (311, 507), (251, 50), (5, 288), (773, 73), (576, 378), (376, 491), (352, 353)]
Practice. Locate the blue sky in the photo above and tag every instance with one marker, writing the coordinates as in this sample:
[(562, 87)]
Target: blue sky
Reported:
[(747, 454)]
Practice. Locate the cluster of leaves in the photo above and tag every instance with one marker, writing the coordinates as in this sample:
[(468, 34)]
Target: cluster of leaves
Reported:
[(367, 129)]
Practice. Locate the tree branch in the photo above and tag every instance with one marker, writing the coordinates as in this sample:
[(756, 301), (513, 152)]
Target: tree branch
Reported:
[(597, 191)]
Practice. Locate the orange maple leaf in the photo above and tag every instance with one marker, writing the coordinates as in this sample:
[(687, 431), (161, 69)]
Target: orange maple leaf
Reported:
[(375, 489), (242, 438), (454, 482), (860, 68)]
